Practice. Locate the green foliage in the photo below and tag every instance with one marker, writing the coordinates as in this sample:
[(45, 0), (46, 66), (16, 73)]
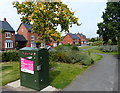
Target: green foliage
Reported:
[(97, 43), (10, 55), (70, 55), (97, 50), (92, 40), (46, 16), (74, 47), (109, 48), (110, 27), (65, 47)]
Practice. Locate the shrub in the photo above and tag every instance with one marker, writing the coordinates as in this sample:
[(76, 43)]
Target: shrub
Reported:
[(87, 60), (70, 57), (109, 48), (65, 46), (74, 47), (10, 55), (97, 43)]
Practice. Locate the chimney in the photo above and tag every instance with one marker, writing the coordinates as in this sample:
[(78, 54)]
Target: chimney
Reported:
[(4, 19)]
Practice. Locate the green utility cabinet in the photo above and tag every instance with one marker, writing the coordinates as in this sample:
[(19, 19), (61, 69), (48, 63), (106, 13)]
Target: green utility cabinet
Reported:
[(34, 68)]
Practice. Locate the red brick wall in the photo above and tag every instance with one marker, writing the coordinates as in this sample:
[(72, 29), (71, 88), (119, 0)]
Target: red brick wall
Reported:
[(27, 35), (25, 31), (82, 38), (12, 37), (67, 39)]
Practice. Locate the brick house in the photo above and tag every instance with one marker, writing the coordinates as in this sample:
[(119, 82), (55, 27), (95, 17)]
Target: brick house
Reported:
[(25, 38), (7, 36), (20, 41), (71, 39), (29, 39), (82, 38)]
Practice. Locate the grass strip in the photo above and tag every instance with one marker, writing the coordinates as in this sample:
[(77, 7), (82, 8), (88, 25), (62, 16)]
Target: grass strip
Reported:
[(61, 74)]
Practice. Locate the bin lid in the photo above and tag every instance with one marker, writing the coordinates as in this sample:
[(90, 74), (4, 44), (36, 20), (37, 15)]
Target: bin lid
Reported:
[(31, 48)]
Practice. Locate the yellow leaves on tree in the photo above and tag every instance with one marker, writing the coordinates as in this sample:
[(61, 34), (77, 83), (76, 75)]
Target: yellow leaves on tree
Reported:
[(46, 16)]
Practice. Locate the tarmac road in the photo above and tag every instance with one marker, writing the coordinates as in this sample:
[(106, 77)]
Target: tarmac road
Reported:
[(102, 76)]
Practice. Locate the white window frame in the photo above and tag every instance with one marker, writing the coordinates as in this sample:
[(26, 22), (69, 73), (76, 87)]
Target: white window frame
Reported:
[(60, 43), (33, 44), (32, 37), (9, 44), (54, 44), (7, 35), (22, 30)]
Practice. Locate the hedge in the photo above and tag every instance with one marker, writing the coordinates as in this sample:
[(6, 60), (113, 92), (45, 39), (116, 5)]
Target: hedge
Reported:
[(10, 55)]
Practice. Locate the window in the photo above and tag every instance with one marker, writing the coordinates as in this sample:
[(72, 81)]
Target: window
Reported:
[(42, 45), (60, 43), (32, 37), (8, 44), (7, 34), (33, 44), (54, 44), (22, 30), (68, 39)]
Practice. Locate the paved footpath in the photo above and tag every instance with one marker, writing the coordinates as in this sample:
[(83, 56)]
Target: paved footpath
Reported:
[(101, 76)]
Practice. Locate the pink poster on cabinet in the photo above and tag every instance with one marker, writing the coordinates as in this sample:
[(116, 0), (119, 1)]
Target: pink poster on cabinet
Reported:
[(27, 65)]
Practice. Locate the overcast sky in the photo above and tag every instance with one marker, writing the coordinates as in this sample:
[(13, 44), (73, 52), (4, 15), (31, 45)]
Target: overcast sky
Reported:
[(89, 13)]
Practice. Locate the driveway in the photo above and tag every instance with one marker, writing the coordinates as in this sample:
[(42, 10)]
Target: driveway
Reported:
[(101, 76)]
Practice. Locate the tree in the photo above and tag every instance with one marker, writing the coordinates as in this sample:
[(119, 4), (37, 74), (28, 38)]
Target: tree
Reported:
[(110, 27), (45, 17)]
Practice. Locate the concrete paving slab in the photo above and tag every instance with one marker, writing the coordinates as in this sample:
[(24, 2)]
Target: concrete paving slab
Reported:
[(15, 86), (50, 88)]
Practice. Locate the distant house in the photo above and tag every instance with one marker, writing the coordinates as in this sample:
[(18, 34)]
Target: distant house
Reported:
[(82, 38), (71, 39), (29, 39), (7, 36), (26, 38)]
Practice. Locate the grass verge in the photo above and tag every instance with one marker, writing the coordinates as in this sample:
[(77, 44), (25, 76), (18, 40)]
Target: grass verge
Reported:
[(96, 57), (10, 72), (84, 47), (96, 50), (61, 74)]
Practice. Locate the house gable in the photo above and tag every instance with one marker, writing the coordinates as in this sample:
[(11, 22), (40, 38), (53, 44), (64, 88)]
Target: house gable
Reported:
[(8, 36), (67, 39), (22, 30)]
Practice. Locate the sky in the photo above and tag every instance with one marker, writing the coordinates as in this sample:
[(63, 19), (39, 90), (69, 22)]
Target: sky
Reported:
[(89, 13)]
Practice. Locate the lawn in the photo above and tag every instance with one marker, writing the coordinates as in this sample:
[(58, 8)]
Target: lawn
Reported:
[(61, 74), (10, 72), (96, 50), (96, 57), (84, 47)]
